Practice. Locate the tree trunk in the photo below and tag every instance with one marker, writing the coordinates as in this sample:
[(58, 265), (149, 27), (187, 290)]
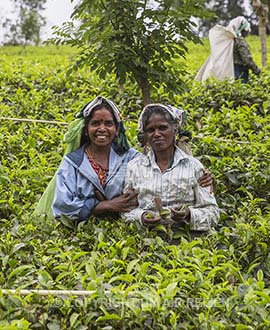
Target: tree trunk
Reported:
[(146, 94), (261, 11), (145, 88)]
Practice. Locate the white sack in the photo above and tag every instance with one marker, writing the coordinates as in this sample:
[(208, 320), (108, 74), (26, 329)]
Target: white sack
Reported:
[(220, 63)]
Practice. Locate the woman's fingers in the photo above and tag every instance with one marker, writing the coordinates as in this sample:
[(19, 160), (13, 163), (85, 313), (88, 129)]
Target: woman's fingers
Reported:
[(125, 202), (178, 214), (130, 194), (206, 179)]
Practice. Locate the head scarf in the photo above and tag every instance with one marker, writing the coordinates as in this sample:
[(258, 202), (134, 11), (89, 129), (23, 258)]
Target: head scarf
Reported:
[(87, 109), (239, 24), (73, 140), (178, 114), (73, 137)]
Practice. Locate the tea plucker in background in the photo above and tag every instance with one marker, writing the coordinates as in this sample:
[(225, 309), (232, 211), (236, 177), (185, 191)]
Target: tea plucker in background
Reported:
[(168, 173), (242, 58), (91, 176), (230, 56)]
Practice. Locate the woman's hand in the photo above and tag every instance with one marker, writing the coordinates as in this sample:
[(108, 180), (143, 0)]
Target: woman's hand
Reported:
[(181, 214), (150, 218), (123, 203), (206, 179)]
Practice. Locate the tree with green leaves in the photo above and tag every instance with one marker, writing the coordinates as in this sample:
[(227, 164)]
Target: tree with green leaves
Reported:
[(27, 27), (134, 39)]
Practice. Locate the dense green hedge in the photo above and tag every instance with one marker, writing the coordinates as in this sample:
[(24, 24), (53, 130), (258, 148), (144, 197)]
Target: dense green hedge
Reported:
[(138, 280)]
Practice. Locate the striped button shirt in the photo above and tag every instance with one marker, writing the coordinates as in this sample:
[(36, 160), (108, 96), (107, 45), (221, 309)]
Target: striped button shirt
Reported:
[(177, 185)]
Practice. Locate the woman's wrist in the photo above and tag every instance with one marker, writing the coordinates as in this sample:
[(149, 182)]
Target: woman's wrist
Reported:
[(103, 206)]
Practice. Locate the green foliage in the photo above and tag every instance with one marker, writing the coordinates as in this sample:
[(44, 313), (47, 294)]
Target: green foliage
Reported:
[(134, 40), (238, 146), (137, 278)]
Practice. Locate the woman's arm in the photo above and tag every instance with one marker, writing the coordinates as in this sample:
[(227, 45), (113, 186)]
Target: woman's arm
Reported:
[(206, 179), (205, 213), (245, 54), (136, 213), (67, 200), (123, 203)]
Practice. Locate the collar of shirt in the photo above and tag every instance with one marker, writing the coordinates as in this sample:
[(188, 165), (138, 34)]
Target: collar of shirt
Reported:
[(179, 155)]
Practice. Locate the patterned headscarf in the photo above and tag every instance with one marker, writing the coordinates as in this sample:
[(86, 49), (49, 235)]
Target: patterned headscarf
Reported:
[(73, 137), (88, 108), (239, 24), (178, 114)]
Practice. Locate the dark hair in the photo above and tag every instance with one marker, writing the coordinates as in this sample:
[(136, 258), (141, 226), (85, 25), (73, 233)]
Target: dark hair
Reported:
[(159, 110), (152, 110), (244, 33), (156, 110), (85, 137)]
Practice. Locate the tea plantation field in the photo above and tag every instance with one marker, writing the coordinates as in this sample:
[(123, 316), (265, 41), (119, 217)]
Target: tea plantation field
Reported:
[(133, 278)]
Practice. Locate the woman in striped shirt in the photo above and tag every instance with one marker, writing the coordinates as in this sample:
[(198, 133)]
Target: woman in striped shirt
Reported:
[(166, 178)]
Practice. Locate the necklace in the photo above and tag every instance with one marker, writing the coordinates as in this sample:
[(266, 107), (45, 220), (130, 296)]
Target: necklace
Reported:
[(101, 172), (93, 159)]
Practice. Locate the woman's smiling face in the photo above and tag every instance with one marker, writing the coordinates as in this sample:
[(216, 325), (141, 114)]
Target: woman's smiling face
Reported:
[(102, 128), (159, 133)]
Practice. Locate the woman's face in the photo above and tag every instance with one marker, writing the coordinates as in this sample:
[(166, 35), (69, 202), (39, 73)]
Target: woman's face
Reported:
[(101, 128), (159, 133)]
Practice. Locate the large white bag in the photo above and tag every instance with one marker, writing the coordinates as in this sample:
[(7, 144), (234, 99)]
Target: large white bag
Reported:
[(220, 62)]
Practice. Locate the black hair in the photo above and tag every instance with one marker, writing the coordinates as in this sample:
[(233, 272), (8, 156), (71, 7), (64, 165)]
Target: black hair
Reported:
[(120, 143), (85, 137), (156, 110), (244, 33)]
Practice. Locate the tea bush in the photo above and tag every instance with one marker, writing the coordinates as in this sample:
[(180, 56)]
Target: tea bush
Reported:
[(137, 279)]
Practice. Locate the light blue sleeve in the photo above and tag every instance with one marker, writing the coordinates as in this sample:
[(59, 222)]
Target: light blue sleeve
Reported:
[(67, 199)]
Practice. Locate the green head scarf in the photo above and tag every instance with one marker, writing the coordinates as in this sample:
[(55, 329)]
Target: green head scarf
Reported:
[(239, 24)]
